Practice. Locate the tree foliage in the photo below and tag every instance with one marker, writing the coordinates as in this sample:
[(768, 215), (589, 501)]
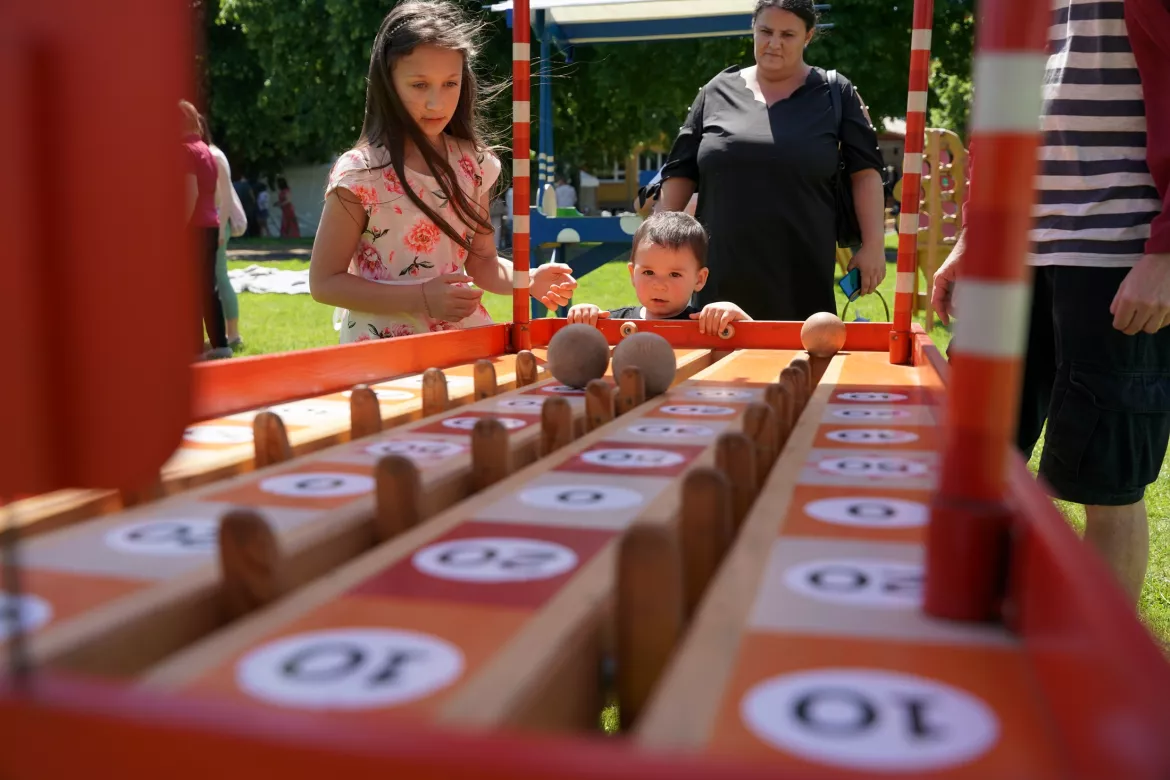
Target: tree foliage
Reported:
[(287, 77)]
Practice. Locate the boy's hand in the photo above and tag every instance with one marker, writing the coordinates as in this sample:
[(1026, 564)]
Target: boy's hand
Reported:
[(585, 313), (715, 317)]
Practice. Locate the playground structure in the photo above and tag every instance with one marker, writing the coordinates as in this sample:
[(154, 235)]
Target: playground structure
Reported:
[(781, 576)]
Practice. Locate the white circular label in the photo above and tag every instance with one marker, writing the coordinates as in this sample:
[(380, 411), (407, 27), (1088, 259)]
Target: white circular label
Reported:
[(387, 394), (870, 720), (581, 498), (882, 468), (416, 449), (871, 436), (563, 390), (671, 430), (218, 434), (468, 423), (866, 512), (349, 669), (871, 414), (179, 536), (697, 410), (310, 412), (318, 485), (495, 559), (858, 582), (417, 381), (633, 458), (720, 393), (529, 403), (872, 397), (27, 611)]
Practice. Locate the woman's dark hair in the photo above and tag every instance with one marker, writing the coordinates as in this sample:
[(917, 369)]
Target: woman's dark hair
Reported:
[(281, 183), (387, 123), (803, 8)]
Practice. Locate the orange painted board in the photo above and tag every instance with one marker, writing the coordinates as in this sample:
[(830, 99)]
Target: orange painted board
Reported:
[(50, 597), (884, 709), (873, 514)]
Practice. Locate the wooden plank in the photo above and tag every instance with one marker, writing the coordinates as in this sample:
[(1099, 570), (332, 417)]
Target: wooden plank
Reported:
[(322, 508), (219, 448), (507, 643), (810, 649)]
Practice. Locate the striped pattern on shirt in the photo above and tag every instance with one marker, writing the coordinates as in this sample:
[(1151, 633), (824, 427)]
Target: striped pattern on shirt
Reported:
[(1095, 197)]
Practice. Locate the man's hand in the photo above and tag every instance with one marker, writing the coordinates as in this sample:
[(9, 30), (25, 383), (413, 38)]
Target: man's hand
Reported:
[(942, 295), (1142, 303)]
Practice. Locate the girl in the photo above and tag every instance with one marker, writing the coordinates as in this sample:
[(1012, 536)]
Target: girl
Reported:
[(406, 227)]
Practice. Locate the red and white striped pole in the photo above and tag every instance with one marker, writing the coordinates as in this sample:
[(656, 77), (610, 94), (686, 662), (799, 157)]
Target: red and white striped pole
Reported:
[(900, 341), (521, 181), (969, 532)]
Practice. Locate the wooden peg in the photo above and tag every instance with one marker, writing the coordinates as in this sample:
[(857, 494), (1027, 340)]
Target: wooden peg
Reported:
[(735, 456), (649, 612), (792, 378), (398, 496), (490, 453), (143, 494), (759, 424), (250, 563), (599, 404), (485, 379), (526, 368), (704, 529), (556, 425), (434, 392), (802, 365), (631, 389), (270, 440), (365, 413), (779, 397)]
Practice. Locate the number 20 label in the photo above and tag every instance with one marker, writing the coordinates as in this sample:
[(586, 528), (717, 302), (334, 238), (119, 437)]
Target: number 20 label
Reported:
[(349, 669), (495, 559), (870, 719)]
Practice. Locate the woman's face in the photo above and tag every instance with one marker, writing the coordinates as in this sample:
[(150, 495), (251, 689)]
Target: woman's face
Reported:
[(428, 81), (780, 38)]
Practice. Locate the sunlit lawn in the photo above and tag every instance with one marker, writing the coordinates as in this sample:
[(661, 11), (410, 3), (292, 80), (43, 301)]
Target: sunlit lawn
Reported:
[(280, 323)]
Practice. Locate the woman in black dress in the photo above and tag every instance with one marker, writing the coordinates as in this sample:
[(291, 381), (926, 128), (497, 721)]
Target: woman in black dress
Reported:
[(760, 145)]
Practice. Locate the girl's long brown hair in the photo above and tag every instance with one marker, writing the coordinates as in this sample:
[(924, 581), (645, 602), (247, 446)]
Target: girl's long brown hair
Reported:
[(387, 123)]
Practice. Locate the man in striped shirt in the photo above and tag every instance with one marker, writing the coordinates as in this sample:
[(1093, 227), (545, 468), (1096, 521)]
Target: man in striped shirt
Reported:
[(1098, 361)]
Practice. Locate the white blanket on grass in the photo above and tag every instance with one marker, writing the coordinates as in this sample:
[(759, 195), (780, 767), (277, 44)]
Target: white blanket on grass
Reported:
[(260, 279)]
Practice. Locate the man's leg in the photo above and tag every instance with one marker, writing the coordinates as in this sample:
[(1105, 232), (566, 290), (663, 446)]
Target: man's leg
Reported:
[(1110, 418), (1039, 365)]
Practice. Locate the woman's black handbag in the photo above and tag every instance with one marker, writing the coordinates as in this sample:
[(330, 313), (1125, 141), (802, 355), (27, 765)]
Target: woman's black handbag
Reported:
[(848, 228)]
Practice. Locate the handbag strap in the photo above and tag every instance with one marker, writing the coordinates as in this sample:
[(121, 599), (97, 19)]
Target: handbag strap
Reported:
[(835, 96)]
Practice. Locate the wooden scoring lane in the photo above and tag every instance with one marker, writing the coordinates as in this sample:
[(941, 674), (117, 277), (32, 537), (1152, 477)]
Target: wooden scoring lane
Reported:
[(810, 650), (491, 613), (144, 582), (215, 449)]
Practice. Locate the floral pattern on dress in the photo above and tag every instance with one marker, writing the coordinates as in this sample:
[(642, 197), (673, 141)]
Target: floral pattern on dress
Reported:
[(401, 245)]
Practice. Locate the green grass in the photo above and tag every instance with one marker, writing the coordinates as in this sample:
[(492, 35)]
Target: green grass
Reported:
[(282, 323)]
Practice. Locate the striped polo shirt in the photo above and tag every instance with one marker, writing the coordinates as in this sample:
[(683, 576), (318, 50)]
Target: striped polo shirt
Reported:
[(1095, 197)]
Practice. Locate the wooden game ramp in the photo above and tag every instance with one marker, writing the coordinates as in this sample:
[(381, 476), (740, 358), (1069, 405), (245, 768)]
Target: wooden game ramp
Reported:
[(498, 610), (119, 592), (221, 447)]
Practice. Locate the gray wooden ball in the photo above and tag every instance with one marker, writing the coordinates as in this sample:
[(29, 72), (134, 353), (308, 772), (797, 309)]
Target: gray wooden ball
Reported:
[(578, 354), (652, 355)]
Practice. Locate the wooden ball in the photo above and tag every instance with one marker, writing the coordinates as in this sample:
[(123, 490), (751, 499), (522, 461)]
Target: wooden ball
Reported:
[(578, 354), (652, 355), (823, 334)]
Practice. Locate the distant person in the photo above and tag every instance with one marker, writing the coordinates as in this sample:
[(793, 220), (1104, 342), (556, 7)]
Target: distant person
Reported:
[(262, 210), (288, 213), (232, 224), (200, 181), (760, 146), (405, 229), (566, 194), (247, 196), (668, 265)]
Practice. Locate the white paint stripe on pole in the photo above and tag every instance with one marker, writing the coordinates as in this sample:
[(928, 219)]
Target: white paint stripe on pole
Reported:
[(1008, 92), (991, 317)]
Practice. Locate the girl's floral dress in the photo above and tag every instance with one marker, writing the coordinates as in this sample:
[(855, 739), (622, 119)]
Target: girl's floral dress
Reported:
[(401, 245)]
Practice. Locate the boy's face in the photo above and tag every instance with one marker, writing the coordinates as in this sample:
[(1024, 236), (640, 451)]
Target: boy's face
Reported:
[(664, 278)]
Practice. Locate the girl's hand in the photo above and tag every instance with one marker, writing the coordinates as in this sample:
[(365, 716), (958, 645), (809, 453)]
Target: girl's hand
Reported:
[(586, 314), (553, 284), (715, 317), (449, 298), (872, 262)]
